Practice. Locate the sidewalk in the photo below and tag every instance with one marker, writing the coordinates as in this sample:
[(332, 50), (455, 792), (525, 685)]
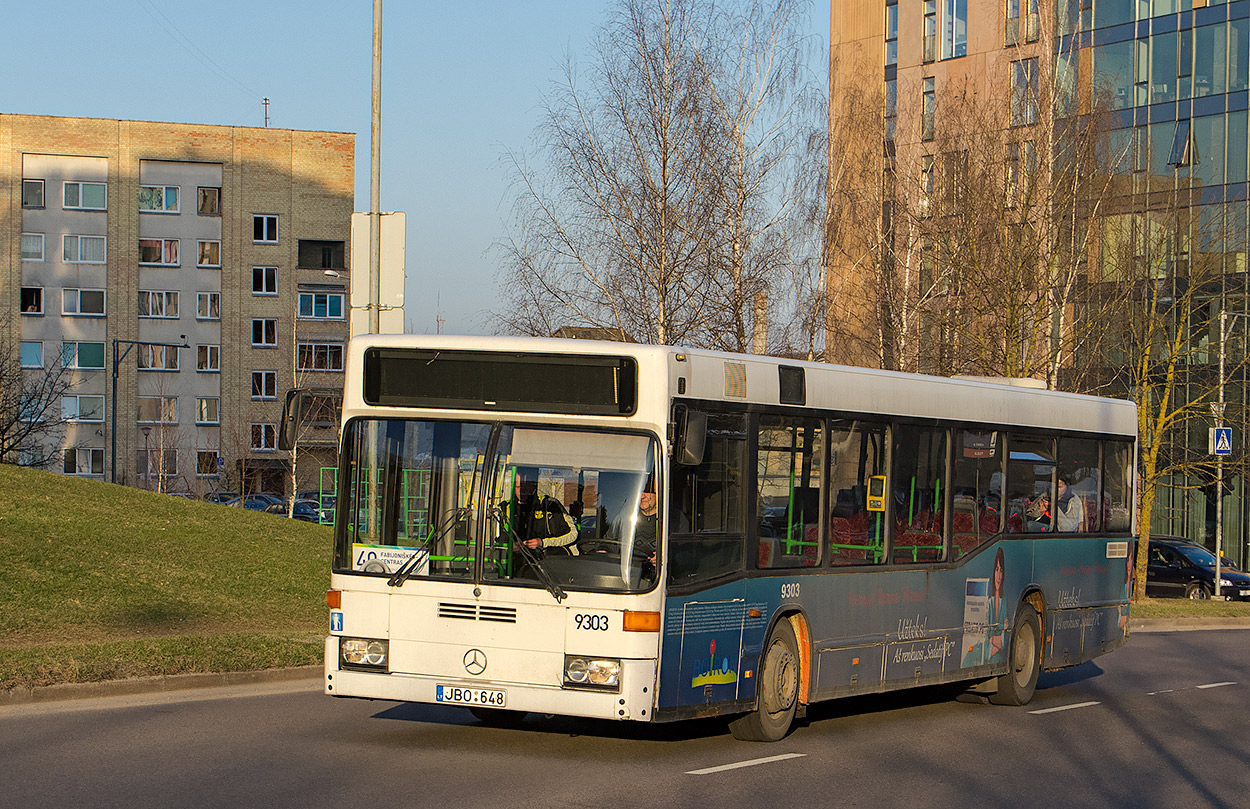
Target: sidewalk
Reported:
[(180, 682)]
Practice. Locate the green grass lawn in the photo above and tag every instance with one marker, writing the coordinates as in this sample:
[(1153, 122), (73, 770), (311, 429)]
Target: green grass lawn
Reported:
[(104, 581)]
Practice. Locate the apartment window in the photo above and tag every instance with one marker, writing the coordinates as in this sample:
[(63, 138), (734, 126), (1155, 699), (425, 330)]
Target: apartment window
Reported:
[(32, 247), (158, 198), (83, 355), (928, 182), (77, 249), (264, 384), (209, 254), (208, 201), (319, 254), (1021, 169), (85, 196), (1024, 92), (891, 108), (264, 280), (265, 228), (930, 30), (31, 354), (82, 408), (264, 437), (32, 193), (157, 463), (891, 35), (1032, 21), (928, 109), (320, 357), (208, 306), (157, 358), (207, 410), (954, 28), (82, 302), (321, 305), (83, 461), (208, 358), (206, 463), (159, 252), (32, 300), (158, 304), (264, 332)]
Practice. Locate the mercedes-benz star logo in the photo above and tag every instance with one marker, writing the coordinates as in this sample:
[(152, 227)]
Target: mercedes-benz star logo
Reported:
[(475, 661)]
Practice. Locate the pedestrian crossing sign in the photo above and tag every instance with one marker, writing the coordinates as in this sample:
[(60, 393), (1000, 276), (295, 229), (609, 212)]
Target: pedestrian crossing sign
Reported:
[(1221, 440)]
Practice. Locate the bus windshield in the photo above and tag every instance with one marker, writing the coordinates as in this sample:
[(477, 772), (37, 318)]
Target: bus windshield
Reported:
[(504, 504)]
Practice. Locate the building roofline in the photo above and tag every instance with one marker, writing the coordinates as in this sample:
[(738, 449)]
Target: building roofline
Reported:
[(4, 115)]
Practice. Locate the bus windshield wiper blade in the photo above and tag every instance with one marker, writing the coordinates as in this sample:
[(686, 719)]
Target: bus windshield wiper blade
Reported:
[(413, 562), (535, 560)]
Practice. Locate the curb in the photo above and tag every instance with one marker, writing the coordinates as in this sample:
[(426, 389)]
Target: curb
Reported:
[(1186, 624), (155, 685)]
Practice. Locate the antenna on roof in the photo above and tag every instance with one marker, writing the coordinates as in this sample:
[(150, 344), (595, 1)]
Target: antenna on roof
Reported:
[(265, 101)]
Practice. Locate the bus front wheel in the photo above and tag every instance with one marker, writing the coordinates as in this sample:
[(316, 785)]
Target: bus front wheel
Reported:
[(778, 696), (1017, 685)]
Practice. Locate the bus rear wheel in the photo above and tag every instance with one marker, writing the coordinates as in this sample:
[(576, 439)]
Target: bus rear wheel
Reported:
[(1016, 687), (778, 697)]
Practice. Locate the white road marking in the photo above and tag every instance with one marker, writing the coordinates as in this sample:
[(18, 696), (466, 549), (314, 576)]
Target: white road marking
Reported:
[(751, 763), (1164, 691), (1066, 707), (1213, 685)]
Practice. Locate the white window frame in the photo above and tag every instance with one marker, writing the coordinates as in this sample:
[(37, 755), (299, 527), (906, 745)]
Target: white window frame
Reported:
[(166, 409), (157, 358), (199, 253), (39, 307), (312, 297), (43, 193), (268, 435), (30, 256), (165, 259), (268, 332), (94, 454), (165, 208), (163, 301), (199, 452), (327, 352), (22, 353), (265, 220), (268, 278), (208, 358), (78, 185), (201, 404), (204, 305), (68, 363), (75, 294), (199, 195), (160, 469), (265, 378), (74, 255), (71, 409)]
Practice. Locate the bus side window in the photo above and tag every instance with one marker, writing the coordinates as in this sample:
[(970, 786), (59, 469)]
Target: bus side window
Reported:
[(1117, 483), (1030, 484), (788, 482), (856, 453), (1078, 485), (919, 459), (976, 490), (710, 499)]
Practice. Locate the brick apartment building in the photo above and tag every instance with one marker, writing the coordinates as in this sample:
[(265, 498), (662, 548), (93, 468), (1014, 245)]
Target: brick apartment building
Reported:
[(129, 239)]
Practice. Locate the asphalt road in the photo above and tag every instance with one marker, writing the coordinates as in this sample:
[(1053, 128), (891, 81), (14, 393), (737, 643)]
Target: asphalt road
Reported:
[(1162, 722)]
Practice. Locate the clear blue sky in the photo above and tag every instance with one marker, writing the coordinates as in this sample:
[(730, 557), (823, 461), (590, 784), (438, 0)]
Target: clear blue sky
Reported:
[(461, 83)]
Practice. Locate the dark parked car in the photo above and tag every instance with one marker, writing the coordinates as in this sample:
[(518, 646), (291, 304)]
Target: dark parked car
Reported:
[(1183, 569), (255, 502), (220, 497), (306, 510)]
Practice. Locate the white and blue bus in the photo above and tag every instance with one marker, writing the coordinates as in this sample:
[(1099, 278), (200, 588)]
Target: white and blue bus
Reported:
[(655, 533)]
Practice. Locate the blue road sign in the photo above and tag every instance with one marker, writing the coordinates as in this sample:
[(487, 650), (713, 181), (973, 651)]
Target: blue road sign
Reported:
[(1222, 441)]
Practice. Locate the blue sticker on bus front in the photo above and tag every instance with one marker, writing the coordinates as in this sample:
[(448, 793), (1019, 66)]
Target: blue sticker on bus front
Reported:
[(336, 621)]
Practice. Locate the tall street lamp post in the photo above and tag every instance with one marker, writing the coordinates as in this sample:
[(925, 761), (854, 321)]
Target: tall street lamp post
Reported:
[(113, 403)]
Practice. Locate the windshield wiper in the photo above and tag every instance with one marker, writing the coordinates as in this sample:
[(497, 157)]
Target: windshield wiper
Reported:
[(422, 553), (534, 559)]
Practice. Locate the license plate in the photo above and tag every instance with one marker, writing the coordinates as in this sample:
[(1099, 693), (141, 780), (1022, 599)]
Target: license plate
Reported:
[(1245, 593), (456, 695)]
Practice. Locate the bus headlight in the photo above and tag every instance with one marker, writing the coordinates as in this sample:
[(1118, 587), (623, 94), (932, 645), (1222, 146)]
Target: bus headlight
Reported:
[(363, 653), (592, 672)]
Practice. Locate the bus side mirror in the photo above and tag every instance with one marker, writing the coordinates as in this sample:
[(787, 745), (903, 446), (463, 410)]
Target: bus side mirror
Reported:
[(293, 410), (691, 436)]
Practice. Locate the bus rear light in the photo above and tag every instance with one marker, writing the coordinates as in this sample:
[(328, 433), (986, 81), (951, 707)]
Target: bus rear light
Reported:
[(334, 599), (638, 621)]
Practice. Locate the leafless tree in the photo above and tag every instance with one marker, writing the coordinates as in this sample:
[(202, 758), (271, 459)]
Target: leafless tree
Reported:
[(31, 419)]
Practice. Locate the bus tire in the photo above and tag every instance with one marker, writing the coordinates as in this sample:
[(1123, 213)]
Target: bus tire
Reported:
[(778, 689), (497, 717), (1024, 660)]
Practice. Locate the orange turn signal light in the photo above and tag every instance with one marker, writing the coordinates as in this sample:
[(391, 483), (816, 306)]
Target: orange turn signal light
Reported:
[(334, 599), (638, 621)]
